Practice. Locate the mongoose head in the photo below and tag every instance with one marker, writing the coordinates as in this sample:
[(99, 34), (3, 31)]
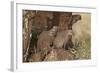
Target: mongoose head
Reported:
[(53, 31)]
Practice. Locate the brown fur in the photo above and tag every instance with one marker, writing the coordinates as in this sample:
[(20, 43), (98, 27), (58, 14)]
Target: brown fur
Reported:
[(62, 38), (46, 39)]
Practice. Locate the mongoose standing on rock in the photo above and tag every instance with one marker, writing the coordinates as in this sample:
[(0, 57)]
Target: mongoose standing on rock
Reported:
[(46, 39)]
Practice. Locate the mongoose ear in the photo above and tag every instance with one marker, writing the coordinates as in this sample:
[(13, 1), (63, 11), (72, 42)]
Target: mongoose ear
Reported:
[(75, 18)]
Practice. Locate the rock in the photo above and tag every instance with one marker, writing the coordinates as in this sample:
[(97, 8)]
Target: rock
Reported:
[(59, 55), (35, 57)]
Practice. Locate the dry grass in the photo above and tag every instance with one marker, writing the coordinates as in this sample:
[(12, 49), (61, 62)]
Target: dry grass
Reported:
[(82, 36)]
